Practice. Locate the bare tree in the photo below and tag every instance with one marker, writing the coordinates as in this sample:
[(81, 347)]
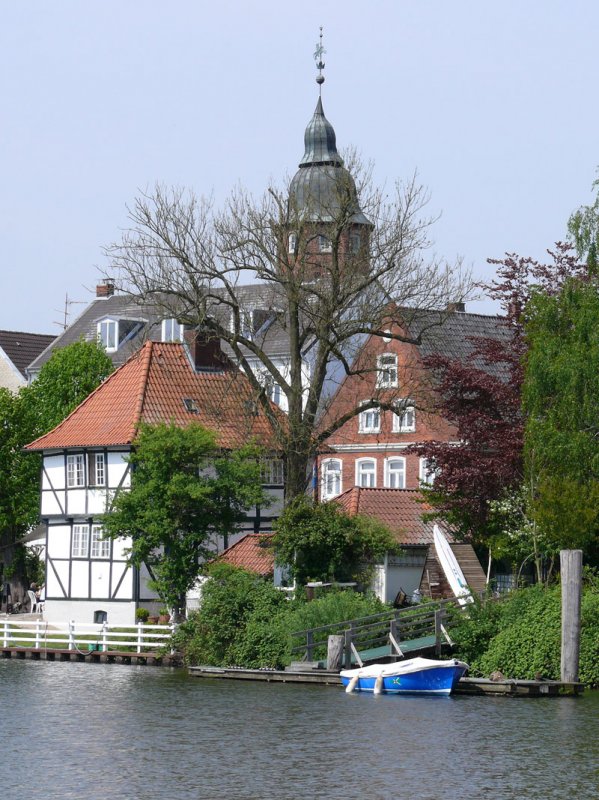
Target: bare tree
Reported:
[(332, 271)]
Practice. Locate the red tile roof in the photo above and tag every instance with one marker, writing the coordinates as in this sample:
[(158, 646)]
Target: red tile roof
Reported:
[(253, 553), (400, 509), (151, 387)]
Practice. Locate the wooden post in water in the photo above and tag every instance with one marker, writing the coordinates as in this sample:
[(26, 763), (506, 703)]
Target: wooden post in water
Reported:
[(335, 651), (571, 575)]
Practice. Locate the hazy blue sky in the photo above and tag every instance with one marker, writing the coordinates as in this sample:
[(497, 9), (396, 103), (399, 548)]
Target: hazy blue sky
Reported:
[(495, 105)]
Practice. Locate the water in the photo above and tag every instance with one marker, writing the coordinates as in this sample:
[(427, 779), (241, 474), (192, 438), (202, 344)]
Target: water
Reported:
[(88, 731)]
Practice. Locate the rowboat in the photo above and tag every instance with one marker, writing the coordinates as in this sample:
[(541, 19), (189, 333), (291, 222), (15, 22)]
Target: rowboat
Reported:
[(412, 676)]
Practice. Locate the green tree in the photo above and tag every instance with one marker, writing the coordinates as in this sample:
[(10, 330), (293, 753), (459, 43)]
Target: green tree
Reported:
[(184, 493), (583, 227), (65, 380), (561, 403), (321, 542)]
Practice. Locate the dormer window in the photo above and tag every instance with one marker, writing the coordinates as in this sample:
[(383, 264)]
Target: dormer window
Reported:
[(292, 243), (113, 333), (108, 334), (172, 331), (191, 405), (325, 245), (386, 371)]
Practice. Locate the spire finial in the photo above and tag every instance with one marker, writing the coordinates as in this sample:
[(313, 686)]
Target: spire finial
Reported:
[(318, 54)]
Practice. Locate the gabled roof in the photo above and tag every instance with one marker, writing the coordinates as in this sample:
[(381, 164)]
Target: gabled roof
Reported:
[(400, 510), (22, 348), (151, 387), (254, 552)]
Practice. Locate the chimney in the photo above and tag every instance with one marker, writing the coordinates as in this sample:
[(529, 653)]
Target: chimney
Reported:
[(106, 288), (205, 352), (459, 307)]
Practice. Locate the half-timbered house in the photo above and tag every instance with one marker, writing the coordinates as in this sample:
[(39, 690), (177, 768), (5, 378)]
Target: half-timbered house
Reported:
[(85, 462)]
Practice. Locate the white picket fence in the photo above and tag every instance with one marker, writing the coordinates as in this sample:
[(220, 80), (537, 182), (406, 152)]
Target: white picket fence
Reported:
[(85, 637)]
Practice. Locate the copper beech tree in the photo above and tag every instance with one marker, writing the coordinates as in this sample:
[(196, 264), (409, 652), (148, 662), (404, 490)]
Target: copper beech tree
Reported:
[(336, 260)]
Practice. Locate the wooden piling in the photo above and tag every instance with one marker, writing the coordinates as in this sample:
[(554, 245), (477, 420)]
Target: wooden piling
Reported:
[(335, 645), (571, 576)]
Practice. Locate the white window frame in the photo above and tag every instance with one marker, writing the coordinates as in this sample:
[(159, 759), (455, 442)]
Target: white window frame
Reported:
[(109, 325), (75, 470), (325, 245), (331, 476), (386, 374), (96, 470), (172, 330), (80, 541), (426, 476), (404, 419), (272, 472), (369, 421), (292, 244), (366, 478), (395, 476), (99, 547)]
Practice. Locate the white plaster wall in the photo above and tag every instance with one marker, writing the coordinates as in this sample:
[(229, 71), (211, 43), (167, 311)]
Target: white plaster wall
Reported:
[(125, 591), (379, 582), (76, 501), (100, 575), (51, 503), (59, 612), (59, 541), (10, 377), (117, 466), (80, 579), (53, 472), (118, 548), (60, 568), (96, 501)]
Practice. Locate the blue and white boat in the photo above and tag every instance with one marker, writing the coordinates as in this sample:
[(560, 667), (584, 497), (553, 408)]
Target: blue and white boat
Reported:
[(412, 676)]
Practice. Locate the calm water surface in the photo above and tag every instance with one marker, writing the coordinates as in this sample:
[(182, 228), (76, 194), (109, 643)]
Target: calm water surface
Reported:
[(102, 731)]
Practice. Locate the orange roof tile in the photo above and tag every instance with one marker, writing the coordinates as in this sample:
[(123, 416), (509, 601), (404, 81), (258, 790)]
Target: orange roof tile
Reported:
[(400, 509), (151, 387), (253, 553)]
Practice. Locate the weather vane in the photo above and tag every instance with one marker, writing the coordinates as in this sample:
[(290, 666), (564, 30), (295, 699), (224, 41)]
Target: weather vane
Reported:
[(318, 54)]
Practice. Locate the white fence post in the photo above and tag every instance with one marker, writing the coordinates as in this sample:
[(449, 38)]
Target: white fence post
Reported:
[(139, 635), (71, 634), (104, 636), (6, 634), (38, 631)]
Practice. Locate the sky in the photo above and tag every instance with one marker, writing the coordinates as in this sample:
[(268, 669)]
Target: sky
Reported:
[(493, 104)]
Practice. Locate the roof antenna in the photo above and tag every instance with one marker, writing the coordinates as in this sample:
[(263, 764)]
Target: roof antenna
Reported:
[(318, 54)]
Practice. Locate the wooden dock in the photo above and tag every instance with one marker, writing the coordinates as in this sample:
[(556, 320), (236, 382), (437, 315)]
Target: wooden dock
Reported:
[(91, 656), (472, 686)]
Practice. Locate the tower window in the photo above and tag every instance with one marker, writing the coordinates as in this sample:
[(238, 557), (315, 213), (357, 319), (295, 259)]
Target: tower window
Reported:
[(354, 243), (292, 243)]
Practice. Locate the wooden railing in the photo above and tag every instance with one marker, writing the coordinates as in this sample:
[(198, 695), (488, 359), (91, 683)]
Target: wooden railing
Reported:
[(84, 637), (388, 628)]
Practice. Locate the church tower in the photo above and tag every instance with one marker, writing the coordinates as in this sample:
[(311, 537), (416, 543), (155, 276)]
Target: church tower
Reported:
[(326, 226)]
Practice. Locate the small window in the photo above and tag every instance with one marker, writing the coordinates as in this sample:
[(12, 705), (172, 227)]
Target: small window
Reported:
[(386, 371), (191, 405), (100, 547), (108, 334), (355, 240), (366, 473), (369, 421), (80, 541), (172, 331), (325, 245), (271, 471), (292, 243), (427, 474), (75, 470), (331, 478), (96, 469), (395, 473), (404, 419)]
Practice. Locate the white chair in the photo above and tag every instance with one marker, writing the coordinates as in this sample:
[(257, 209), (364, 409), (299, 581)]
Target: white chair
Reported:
[(33, 601)]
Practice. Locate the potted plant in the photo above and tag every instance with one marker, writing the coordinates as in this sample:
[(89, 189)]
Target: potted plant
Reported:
[(142, 614), (164, 617)]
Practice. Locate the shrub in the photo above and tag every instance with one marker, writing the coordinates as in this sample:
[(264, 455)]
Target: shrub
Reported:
[(142, 614)]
